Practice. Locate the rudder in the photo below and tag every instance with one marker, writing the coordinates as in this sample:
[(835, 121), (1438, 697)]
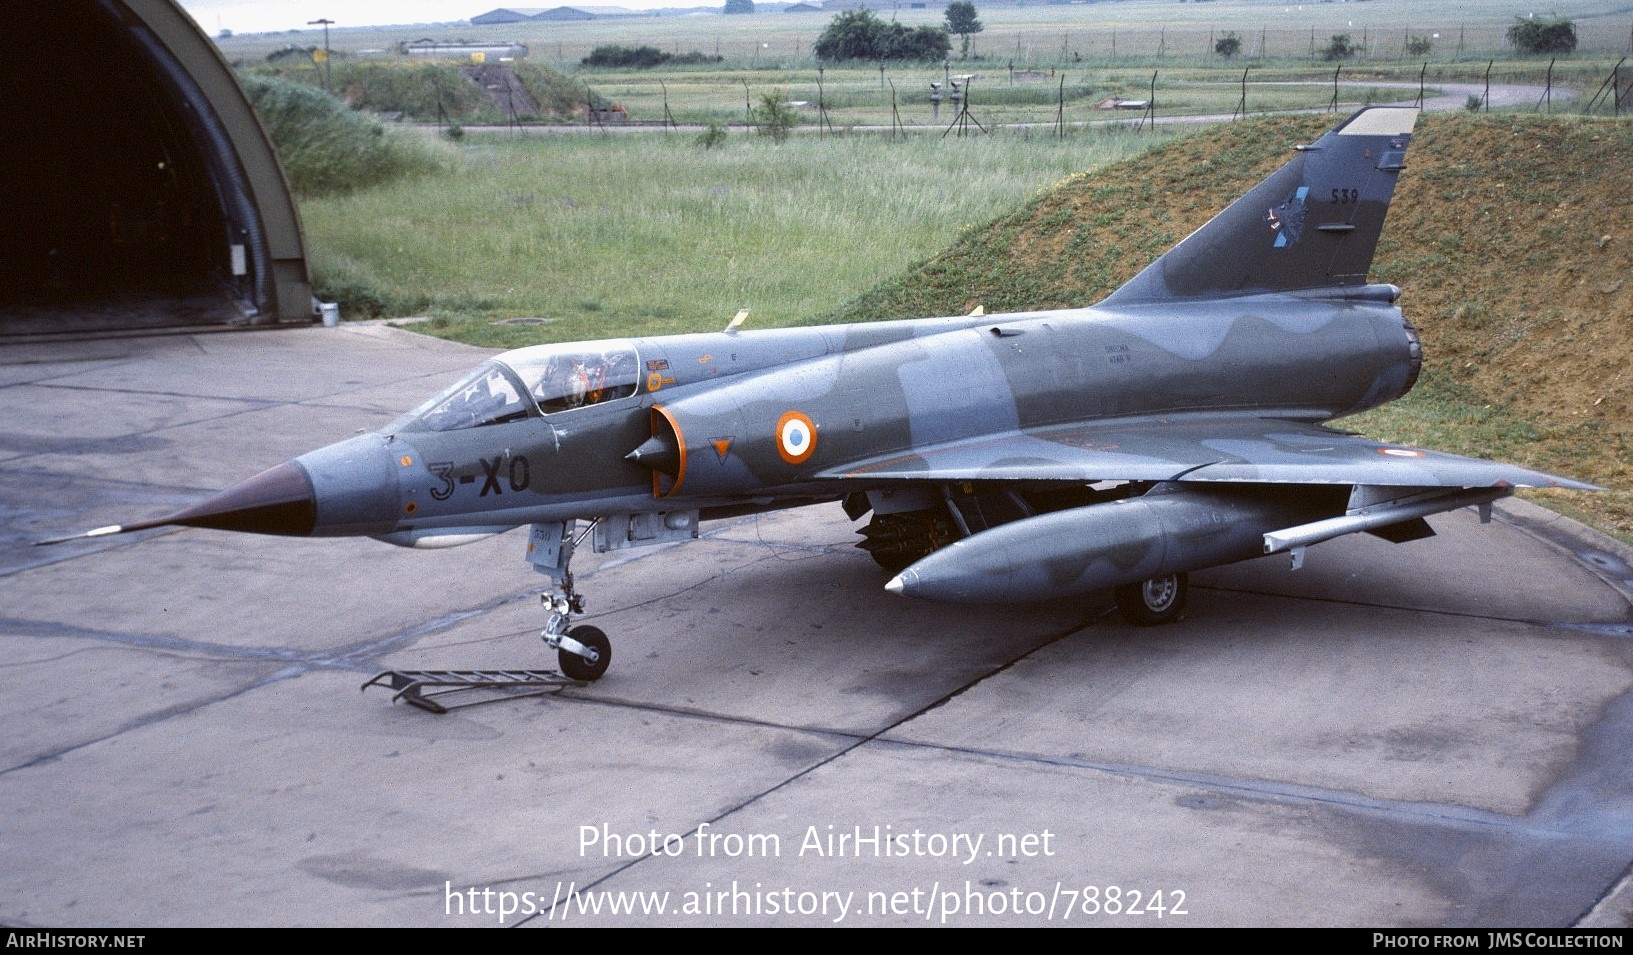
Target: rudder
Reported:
[(1314, 223)]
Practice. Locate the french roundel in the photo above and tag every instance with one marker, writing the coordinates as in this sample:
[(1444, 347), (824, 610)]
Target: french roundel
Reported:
[(796, 437)]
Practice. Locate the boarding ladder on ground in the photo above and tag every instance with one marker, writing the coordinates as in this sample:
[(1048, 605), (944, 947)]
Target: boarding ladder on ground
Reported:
[(508, 684)]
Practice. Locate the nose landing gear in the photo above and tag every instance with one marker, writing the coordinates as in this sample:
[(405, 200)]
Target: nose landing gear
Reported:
[(582, 652)]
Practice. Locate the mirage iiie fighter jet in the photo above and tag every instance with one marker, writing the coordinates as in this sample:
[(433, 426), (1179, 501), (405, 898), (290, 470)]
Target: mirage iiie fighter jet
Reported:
[(1174, 426)]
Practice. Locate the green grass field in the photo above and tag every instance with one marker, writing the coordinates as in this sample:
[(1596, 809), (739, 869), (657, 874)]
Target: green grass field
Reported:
[(1037, 35), (1087, 52), (620, 235)]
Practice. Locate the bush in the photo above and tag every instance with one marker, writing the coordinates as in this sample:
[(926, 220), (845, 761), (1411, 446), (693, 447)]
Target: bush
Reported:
[(1340, 48), (291, 52), (1228, 45), (775, 117), (860, 35), (643, 57), (1543, 35), (637, 57), (1419, 46), (713, 135), (325, 147)]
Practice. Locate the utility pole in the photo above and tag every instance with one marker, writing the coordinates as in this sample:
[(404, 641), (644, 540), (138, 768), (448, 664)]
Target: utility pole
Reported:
[(328, 73)]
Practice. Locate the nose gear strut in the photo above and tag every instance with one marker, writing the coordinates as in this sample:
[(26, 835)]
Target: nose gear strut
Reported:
[(582, 652)]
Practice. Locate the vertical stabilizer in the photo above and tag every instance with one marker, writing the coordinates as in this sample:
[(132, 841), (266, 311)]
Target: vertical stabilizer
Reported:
[(1313, 224)]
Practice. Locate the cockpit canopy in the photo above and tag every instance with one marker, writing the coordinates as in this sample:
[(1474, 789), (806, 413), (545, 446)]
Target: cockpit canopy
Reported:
[(543, 379)]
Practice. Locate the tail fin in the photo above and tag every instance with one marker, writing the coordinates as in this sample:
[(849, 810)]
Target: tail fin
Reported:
[(1313, 224)]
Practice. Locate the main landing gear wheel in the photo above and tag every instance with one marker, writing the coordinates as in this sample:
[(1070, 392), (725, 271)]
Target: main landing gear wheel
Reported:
[(576, 667), (1156, 601)]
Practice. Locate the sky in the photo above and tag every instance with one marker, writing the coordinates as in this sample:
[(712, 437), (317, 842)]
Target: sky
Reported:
[(259, 16)]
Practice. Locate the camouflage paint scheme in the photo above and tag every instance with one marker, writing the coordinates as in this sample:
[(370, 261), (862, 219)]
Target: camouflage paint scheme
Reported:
[(983, 445)]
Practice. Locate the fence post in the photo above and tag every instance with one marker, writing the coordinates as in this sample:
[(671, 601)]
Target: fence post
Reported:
[(1151, 104), (1060, 109)]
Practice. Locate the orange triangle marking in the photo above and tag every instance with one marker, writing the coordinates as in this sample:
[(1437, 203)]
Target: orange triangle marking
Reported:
[(721, 446)]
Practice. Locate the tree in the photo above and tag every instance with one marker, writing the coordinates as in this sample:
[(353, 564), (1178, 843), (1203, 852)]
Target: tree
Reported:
[(860, 35), (1543, 35), (775, 117), (852, 35), (962, 21), (920, 44), (1228, 45), (1340, 48), (739, 6)]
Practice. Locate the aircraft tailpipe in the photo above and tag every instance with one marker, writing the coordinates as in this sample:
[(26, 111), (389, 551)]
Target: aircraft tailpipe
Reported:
[(1414, 349)]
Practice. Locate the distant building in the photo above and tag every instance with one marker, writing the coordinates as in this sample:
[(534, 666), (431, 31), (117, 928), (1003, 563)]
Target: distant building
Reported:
[(506, 15), (431, 49), (590, 13), (525, 14), (886, 6), (600, 12)]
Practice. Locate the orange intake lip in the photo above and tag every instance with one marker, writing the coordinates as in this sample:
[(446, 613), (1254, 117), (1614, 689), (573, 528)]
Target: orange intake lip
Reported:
[(661, 418)]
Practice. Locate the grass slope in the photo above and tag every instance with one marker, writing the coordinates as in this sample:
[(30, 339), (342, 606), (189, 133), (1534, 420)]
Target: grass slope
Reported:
[(1509, 235), (645, 235)]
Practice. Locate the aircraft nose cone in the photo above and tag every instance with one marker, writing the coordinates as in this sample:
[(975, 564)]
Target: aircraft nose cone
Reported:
[(276, 501)]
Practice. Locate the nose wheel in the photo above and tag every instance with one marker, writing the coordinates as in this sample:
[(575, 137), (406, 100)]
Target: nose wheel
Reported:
[(589, 655), (582, 652)]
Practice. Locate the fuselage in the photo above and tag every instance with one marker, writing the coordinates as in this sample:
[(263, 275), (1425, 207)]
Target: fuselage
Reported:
[(773, 417)]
